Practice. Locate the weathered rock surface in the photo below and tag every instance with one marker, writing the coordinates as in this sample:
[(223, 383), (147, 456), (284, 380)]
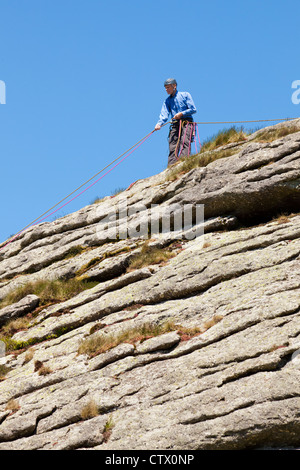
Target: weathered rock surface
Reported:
[(25, 305), (233, 384)]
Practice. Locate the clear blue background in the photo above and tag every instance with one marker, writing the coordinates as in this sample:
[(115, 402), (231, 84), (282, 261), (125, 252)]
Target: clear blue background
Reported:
[(84, 82)]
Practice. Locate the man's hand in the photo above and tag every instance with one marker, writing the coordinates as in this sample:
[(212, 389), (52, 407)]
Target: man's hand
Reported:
[(157, 127), (178, 116)]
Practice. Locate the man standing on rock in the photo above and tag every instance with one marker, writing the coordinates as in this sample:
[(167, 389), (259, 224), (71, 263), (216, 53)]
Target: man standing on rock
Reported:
[(180, 106)]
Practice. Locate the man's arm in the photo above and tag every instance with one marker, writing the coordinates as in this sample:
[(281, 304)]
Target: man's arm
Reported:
[(191, 108), (178, 116), (163, 117)]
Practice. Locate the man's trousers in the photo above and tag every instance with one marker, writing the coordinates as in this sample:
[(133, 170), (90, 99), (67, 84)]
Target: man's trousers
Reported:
[(181, 136)]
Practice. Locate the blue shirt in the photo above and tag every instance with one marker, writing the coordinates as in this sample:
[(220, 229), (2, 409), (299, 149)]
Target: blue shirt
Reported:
[(181, 102)]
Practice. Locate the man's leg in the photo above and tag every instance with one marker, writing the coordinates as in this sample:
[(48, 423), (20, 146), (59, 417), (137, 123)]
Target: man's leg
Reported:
[(173, 144), (187, 137)]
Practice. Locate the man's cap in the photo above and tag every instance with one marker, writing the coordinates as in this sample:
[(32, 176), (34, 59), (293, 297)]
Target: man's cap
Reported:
[(170, 81)]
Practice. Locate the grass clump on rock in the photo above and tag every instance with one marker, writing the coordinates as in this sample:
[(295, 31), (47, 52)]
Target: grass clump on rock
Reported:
[(48, 291), (149, 255), (224, 137), (268, 135), (98, 344), (212, 149), (90, 410)]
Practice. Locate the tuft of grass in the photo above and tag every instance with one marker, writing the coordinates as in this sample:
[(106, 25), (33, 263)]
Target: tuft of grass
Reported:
[(48, 291), (14, 325), (149, 255), (8, 330), (97, 200), (74, 251), (198, 160), (10, 344), (45, 370), (188, 333), (29, 355), (117, 191), (211, 322), (41, 368), (37, 365), (224, 137), (12, 405), (283, 218), (268, 135), (3, 371), (102, 343), (210, 152), (99, 344), (212, 149), (90, 410)]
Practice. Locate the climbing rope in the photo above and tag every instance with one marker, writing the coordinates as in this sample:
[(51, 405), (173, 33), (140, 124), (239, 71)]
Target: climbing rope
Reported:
[(50, 211), (245, 122), (195, 131), (117, 161)]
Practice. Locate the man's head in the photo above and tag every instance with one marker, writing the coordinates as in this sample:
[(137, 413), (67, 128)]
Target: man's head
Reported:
[(170, 85)]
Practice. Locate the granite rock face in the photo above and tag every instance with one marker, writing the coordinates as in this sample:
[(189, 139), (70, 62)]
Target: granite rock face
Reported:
[(224, 373), (25, 305)]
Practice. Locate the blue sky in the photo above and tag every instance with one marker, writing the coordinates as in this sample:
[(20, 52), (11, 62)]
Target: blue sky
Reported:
[(84, 82)]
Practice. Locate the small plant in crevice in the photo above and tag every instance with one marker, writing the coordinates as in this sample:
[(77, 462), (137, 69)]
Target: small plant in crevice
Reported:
[(28, 356), (108, 429), (41, 368)]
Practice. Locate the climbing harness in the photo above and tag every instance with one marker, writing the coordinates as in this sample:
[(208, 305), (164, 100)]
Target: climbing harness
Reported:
[(192, 137), (178, 140), (194, 132)]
